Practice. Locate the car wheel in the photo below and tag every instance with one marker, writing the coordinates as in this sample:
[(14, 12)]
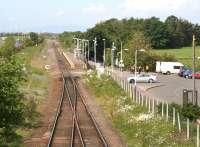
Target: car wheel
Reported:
[(168, 72), (150, 81), (132, 81)]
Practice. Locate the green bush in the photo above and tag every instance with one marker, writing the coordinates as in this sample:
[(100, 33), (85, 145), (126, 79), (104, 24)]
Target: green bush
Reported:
[(191, 111), (188, 111)]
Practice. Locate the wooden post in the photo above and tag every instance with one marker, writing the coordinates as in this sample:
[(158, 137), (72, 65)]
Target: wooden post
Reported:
[(198, 135), (146, 101), (142, 100), (139, 98), (136, 100), (167, 112), (149, 105), (153, 106), (156, 105), (188, 128), (174, 116), (179, 122), (162, 109)]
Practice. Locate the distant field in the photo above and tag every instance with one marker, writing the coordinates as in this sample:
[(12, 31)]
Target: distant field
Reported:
[(184, 55)]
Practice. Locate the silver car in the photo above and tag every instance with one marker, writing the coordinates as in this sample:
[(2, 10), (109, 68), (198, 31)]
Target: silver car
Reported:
[(143, 78)]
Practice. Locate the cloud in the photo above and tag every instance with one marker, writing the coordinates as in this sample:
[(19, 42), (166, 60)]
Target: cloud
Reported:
[(96, 8), (60, 13), (153, 7), (147, 5)]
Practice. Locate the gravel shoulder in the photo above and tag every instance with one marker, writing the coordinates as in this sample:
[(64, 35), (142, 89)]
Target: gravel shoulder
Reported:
[(47, 109)]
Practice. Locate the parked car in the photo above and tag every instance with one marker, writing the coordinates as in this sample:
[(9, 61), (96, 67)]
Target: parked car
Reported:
[(196, 76), (187, 73), (182, 70), (168, 67), (143, 78)]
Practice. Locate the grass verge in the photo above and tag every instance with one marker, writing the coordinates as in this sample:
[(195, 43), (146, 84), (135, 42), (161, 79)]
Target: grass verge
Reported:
[(184, 55), (137, 127)]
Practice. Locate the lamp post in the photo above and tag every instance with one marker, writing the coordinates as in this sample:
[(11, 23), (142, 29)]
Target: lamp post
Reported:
[(85, 53), (121, 56), (135, 81), (104, 51), (95, 49), (88, 50), (112, 55)]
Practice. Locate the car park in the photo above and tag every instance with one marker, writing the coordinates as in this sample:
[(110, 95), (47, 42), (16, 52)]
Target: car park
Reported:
[(146, 78)]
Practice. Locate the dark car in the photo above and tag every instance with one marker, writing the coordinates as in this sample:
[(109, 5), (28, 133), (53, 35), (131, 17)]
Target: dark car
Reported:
[(187, 73), (182, 70)]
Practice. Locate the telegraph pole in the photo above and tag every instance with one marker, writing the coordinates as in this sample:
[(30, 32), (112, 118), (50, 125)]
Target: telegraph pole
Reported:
[(112, 55), (194, 84), (88, 50), (104, 51)]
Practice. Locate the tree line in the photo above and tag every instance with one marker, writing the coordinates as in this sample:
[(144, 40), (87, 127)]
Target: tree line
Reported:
[(174, 32)]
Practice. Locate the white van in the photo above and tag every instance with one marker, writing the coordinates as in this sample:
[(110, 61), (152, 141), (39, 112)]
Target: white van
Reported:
[(168, 67)]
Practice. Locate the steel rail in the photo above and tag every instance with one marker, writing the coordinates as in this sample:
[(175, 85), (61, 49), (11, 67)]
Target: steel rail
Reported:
[(73, 108), (56, 117), (105, 144)]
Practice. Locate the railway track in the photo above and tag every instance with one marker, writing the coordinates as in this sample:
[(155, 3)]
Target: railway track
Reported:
[(74, 124)]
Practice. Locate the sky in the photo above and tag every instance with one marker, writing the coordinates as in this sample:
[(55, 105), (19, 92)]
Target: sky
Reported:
[(79, 15)]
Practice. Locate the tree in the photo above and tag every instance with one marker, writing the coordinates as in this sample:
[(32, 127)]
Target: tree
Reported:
[(8, 49), (138, 41), (34, 38), (155, 30), (11, 99)]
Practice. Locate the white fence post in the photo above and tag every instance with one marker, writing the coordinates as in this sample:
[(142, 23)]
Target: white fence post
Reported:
[(130, 90), (198, 135), (149, 105), (156, 105), (139, 98), (162, 109), (146, 101), (142, 100), (132, 94), (179, 122), (167, 112), (188, 128), (153, 105), (174, 116)]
